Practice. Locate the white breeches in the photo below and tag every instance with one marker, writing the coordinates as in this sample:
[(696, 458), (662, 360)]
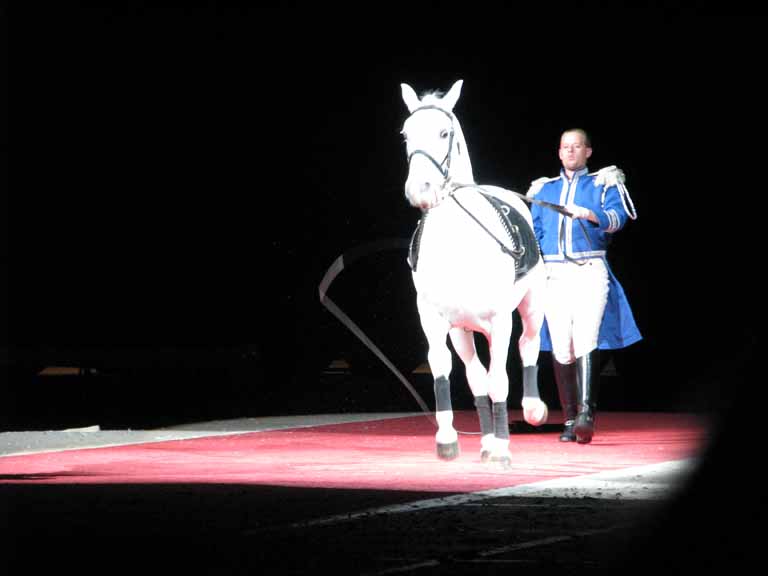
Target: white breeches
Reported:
[(574, 304)]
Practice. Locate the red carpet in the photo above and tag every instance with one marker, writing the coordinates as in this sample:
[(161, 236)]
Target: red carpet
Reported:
[(396, 454)]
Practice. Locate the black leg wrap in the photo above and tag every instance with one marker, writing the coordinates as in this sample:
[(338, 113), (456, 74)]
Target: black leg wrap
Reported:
[(588, 378), (443, 393), (448, 451), (567, 389), (443, 402), (500, 420), (530, 381), (483, 405)]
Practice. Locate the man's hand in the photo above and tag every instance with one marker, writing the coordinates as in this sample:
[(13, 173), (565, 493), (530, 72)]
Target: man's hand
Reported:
[(581, 212)]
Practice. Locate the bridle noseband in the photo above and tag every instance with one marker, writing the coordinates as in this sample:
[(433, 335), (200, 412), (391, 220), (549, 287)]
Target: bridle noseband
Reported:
[(445, 166)]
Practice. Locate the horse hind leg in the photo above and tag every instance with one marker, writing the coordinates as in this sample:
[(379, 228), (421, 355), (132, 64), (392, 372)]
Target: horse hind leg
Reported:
[(535, 411), (477, 378)]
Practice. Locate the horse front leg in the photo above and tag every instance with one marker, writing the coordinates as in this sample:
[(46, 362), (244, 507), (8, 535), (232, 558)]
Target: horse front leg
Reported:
[(436, 328), (498, 387), (477, 378)]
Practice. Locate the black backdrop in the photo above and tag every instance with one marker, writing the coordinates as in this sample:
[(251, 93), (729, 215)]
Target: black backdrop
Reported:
[(186, 176)]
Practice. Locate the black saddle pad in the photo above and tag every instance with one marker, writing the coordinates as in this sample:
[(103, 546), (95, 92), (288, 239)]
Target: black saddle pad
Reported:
[(518, 231), (521, 234)]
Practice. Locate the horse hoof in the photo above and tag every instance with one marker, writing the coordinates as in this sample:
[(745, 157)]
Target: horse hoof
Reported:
[(535, 413), (503, 462), (448, 451)]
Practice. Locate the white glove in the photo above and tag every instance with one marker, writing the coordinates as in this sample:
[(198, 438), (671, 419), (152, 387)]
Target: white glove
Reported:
[(578, 211)]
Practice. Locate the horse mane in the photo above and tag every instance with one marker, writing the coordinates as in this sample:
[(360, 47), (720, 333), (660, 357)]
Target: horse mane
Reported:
[(432, 97)]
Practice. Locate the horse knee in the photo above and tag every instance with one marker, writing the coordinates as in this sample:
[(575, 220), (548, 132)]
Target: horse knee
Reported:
[(529, 350), (440, 361), (477, 377), (498, 382), (499, 392)]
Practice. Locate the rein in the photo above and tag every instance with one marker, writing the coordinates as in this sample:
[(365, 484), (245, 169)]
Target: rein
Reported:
[(388, 244), (348, 257), (516, 254), (445, 173), (333, 271), (556, 207), (330, 275)]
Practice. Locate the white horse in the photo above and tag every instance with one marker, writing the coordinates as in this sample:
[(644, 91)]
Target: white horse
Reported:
[(472, 267)]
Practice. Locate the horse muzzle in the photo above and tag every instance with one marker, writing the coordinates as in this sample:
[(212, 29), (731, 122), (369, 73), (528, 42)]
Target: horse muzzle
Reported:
[(424, 194)]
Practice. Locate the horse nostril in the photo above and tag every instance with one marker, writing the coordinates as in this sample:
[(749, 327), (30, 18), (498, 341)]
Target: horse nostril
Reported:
[(425, 187)]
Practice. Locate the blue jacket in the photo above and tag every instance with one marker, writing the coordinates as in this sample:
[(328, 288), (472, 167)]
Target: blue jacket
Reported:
[(561, 237)]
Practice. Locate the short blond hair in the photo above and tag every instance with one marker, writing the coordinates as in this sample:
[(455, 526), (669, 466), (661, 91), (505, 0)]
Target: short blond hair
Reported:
[(583, 133)]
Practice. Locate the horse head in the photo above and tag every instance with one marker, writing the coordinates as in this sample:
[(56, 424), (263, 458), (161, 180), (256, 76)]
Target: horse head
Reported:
[(437, 151)]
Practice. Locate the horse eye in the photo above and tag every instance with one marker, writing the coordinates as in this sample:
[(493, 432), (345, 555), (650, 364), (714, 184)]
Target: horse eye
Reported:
[(443, 133)]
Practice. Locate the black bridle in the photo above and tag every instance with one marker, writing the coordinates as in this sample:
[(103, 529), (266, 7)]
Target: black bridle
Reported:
[(445, 166)]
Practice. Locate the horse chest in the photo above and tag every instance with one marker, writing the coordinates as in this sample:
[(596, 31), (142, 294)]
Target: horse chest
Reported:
[(459, 267)]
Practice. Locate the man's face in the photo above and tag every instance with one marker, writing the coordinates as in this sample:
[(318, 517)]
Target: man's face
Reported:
[(573, 151)]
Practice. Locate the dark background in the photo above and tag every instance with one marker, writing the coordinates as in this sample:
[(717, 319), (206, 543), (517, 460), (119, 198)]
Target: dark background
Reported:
[(185, 176)]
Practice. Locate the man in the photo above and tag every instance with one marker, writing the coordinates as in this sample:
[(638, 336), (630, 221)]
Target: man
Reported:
[(585, 306)]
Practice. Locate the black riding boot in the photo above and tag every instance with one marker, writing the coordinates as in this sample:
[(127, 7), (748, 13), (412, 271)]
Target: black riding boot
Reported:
[(588, 378), (566, 379)]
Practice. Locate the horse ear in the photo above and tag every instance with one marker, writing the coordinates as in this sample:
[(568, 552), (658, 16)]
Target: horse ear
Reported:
[(409, 97), (450, 99)]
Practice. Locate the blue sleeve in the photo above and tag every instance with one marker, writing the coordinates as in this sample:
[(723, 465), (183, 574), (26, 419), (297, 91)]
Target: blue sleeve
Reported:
[(536, 214), (612, 215)]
